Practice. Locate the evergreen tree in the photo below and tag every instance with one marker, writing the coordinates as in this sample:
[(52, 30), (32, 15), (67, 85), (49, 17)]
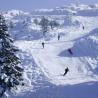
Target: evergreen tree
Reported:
[(11, 25), (44, 23), (53, 24), (36, 21), (11, 75)]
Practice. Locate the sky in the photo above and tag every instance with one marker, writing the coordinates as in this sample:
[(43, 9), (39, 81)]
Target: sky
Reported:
[(29, 5)]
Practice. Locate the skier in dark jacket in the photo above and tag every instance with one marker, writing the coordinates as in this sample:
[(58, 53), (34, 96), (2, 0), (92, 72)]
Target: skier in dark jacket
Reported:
[(58, 37), (83, 27), (66, 70), (43, 44), (70, 51)]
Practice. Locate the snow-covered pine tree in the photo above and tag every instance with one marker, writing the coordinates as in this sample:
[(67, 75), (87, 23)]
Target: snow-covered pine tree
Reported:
[(36, 21), (10, 72), (53, 24), (44, 23)]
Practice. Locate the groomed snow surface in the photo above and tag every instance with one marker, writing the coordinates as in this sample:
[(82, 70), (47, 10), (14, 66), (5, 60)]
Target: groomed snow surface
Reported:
[(46, 66)]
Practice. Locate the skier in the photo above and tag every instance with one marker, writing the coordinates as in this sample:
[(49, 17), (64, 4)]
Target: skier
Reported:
[(43, 44), (70, 51), (66, 70), (58, 37), (83, 27)]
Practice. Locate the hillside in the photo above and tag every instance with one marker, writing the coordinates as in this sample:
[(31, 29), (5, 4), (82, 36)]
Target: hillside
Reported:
[(46, 66)]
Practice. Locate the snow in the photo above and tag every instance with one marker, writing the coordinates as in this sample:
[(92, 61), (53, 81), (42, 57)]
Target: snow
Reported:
[(46, 66)]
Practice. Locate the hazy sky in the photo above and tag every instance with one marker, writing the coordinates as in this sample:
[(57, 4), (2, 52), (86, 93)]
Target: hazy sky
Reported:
[(29, 5)]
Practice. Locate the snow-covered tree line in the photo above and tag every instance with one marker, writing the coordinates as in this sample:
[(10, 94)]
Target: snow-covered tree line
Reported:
[(46, 24)]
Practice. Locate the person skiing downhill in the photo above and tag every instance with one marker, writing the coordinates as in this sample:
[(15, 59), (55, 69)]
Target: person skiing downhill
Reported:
[(58, 37), (83, 27), (43, 44), (66, 71), (70, 51)]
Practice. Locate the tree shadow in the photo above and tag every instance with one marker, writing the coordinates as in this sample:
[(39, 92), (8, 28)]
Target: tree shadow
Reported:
[(83, 47), (83, 90)]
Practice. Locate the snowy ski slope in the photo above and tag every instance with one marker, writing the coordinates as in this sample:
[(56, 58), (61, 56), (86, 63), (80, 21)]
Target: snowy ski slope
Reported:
[(48, 64)]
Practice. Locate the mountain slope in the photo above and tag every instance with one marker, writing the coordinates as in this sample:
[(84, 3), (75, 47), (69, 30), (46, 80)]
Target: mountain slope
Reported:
[(46, 66)]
